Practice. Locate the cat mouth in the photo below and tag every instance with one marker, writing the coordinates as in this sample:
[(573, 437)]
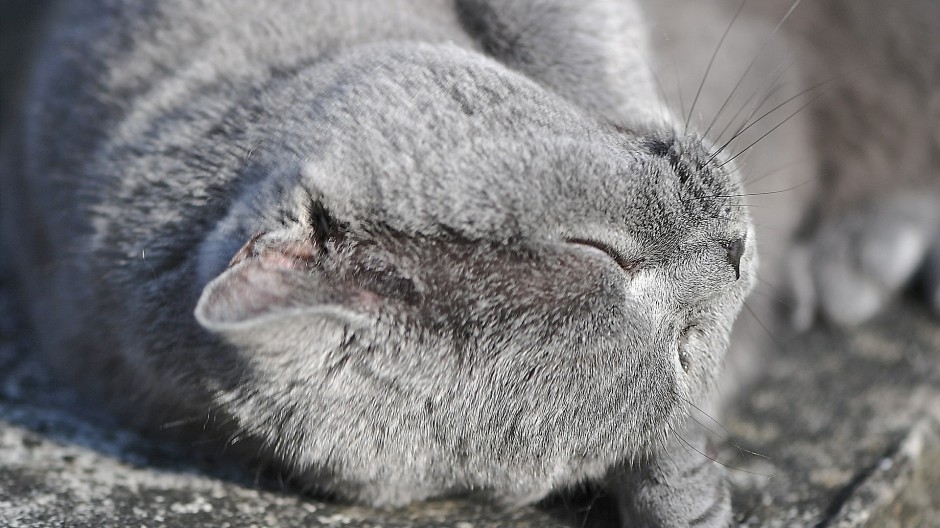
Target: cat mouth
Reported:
[(628, 265)]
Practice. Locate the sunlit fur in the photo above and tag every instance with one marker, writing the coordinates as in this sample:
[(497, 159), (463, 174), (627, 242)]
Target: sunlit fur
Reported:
[(421, 311)]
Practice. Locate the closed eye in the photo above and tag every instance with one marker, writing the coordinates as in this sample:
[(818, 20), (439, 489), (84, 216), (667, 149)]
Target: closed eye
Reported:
[(628, 265)]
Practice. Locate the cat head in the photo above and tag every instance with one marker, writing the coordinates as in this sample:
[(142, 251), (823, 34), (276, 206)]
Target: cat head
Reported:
[(441, 265)]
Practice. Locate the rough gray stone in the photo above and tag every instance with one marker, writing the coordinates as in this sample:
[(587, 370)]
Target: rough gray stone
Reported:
[(849, 428)]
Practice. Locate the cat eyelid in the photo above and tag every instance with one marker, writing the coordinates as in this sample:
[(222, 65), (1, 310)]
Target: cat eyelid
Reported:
[(626, 264)]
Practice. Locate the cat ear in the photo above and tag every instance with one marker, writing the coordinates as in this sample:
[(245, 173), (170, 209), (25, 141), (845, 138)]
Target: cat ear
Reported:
[(273, 279)]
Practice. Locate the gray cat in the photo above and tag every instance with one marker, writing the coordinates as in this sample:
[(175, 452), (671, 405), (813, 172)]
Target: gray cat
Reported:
[(403, 249)]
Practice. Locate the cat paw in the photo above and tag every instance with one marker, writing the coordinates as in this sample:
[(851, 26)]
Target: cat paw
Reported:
[(856, 263), (680, 486)]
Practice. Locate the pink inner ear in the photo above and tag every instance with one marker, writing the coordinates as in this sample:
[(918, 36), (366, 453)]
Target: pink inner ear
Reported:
[(258, 280), (246, 251), (243, 292), (299, 254), (277, 260)]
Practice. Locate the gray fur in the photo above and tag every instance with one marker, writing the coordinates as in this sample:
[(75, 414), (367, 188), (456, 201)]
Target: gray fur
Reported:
[(396, 259), (407, 249)]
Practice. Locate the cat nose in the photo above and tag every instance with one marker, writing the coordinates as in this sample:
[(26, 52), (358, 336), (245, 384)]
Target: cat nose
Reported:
[(735, 249)]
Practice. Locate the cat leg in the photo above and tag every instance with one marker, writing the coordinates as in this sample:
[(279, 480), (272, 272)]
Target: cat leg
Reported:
[(856, 263), (679, 486)]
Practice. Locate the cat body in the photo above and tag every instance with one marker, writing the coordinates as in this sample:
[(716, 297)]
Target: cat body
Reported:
[(399, 250)]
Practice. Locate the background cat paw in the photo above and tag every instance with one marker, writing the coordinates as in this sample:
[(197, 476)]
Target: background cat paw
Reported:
[(856, 263)]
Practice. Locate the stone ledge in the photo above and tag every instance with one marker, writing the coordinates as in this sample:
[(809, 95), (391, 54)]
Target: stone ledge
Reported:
[(850, 425)]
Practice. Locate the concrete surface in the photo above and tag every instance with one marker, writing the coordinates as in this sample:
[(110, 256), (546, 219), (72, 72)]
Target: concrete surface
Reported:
[(849, 425)]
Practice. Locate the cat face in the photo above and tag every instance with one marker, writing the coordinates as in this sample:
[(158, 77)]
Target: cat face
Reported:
[(469, 279)]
